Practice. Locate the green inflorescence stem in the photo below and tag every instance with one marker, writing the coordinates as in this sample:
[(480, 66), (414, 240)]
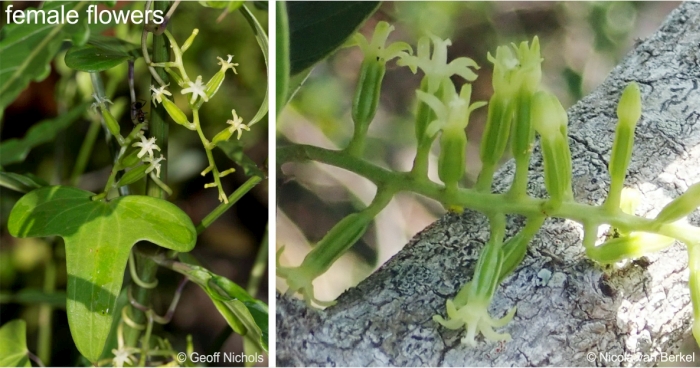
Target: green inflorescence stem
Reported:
[(483, 201)]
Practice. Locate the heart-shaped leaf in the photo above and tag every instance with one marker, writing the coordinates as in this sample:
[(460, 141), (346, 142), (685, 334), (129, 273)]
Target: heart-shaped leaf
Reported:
[(13, 344), (316, 29), (101, 53), (98, 237)]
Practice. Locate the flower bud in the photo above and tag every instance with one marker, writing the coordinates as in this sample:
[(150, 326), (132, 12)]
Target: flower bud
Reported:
[(214, 83), (514, 251), (487, 273), (424, 116), (336, 242), (629, 109), (175, 113), (186, 45), (452, 160), (366, 100), (549, 119), (497, 130), (174, 75), (130, 159), (523, 133), (110, 121), (630, 246), (681, 206), (222, 136), (133, 176)]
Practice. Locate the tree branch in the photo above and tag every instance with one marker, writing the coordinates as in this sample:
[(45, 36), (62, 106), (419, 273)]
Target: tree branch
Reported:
[(568, 306)]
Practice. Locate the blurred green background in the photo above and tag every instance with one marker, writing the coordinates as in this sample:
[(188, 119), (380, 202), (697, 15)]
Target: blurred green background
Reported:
[(581, 43), (228, 247)]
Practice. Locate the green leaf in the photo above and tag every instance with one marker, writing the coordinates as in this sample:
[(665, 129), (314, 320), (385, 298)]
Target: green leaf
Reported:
[(26, 51), (13, 344), (234, 151), (56, 299), (21, 183), (261, 37), (316, 29), (98, 237), (246, 315), (16, 150), (230, 5), (282, 55), (101, 53)]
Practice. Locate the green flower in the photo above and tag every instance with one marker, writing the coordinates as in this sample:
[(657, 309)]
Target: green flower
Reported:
[(196, 88), (517, 67), (375, 49), (237, 124), (436, 68), (454, 113)]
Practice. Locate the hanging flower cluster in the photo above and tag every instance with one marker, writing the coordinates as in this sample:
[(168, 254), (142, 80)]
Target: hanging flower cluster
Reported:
[(198, 93)]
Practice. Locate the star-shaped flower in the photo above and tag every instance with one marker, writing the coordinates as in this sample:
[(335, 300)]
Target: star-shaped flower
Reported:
[(375, 49), (228, 64), (99, 102), (455, 112), (123, 355), (154, 164), (147, 145), (237, 124), (436, 67), (159, 92), (196, 89)]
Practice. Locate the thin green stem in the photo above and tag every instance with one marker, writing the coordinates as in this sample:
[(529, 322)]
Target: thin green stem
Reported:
[(45, 314), (232, 199), (258, 270), (357, 143), (178, 56), (146, 337), (135, 276), (519, 187), (85, 152), (483, 201), (420, 163), (207, 148), (483, 183), (144, 51)]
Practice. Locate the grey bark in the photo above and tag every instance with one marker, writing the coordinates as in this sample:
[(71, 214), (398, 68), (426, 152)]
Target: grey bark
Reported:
[(567, 306)]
